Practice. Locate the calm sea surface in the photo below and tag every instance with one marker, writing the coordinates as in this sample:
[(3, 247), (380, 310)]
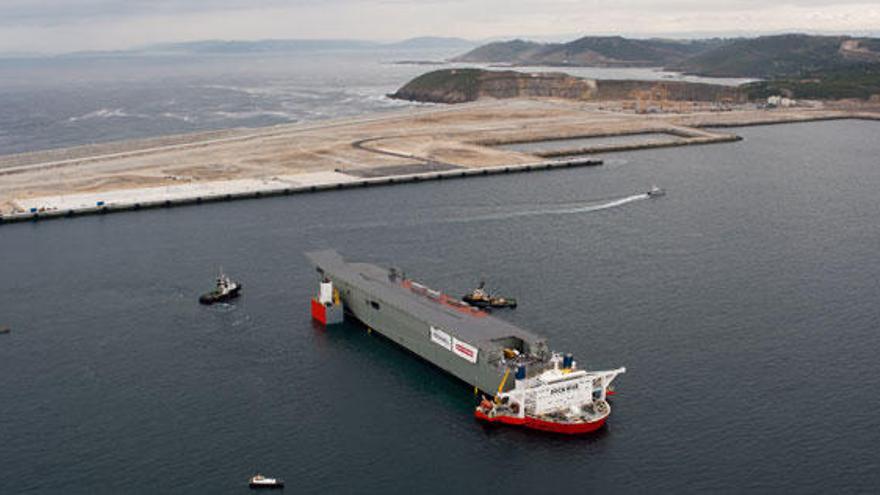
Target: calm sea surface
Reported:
[(745, 305)]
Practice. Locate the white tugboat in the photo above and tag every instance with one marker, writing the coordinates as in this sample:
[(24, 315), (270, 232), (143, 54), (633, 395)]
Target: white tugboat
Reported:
[(260, 481), (225, 290)]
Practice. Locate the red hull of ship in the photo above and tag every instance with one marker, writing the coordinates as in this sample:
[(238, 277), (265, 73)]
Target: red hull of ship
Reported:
[(538, 424), (319, 312)]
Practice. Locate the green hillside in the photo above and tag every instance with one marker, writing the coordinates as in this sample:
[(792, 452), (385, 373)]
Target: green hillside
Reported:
[(860, 81), (507, 52), (588, 51), (768, 56)]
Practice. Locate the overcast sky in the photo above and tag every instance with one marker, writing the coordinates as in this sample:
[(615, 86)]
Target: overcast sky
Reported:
[(66, 25)]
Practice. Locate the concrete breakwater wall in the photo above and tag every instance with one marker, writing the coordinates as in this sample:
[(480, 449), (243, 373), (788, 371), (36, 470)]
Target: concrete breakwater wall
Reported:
[(273, 188), (677, 136), (780, 121), (640, 146)]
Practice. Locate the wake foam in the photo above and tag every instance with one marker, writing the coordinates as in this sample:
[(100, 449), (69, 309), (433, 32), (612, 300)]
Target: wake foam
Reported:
[(553, 211)]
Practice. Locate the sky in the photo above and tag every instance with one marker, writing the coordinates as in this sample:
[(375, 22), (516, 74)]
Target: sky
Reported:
[(55, 26)]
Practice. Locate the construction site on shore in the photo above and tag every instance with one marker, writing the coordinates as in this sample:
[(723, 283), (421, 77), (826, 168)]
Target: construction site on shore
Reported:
[(420, 143)]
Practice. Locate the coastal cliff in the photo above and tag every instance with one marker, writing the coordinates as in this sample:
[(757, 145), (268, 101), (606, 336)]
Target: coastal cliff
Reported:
[(464, 85)]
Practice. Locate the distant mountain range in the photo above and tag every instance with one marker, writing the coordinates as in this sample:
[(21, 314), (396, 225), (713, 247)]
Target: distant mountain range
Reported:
[(784, 55), (219, 46), (227, 47)]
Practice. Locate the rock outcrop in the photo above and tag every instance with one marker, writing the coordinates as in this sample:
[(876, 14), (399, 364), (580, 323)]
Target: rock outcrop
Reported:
[(463, 85)]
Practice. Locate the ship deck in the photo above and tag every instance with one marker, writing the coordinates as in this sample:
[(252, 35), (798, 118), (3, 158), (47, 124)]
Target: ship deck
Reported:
[(477, 327)]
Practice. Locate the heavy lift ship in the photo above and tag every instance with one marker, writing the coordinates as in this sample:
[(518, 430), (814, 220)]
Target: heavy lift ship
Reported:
[(548, 391)]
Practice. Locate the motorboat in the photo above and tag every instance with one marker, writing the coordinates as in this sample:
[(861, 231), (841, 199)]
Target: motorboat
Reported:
[(655, 192), (260, 481)]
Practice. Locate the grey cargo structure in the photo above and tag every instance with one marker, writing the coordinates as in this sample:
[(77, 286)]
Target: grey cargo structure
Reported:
[(417, 318)]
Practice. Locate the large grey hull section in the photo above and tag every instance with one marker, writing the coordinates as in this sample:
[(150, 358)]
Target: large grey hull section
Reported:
[(415, 334)]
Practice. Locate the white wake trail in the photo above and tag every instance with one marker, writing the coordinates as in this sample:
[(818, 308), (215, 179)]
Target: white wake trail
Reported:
[(571, 208), (557, 211)]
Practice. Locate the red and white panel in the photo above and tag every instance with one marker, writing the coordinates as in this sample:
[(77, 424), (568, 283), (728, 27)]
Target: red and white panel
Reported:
[(464, 350)]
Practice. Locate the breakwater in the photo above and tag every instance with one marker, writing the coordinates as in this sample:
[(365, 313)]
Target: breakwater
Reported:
[(334, 182)]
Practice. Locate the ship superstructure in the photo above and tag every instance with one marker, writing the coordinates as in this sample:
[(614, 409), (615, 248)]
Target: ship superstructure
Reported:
[(547, 391)]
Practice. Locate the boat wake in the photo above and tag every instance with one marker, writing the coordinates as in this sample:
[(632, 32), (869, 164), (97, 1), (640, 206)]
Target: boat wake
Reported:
[(579, 208), (568, 208)]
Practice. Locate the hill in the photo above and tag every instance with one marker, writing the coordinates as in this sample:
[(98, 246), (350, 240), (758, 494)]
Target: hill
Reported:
[(463, 85), (859, 81), (600, 51), (506, 52), (782, 56)]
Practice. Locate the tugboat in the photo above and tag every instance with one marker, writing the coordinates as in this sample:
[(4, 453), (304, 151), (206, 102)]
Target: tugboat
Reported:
[(225, 290), (655, 192), (479, 298), (260, 481)]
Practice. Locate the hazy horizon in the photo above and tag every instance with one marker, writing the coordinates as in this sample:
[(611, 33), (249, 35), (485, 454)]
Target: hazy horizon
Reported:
[(60, 26), (561, 38)]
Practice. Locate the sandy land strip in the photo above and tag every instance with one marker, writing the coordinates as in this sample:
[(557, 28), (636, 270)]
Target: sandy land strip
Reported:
[(449, 137)]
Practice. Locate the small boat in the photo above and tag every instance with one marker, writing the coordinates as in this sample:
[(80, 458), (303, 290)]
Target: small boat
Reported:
[(225, 290), (260, 481), (5, 330), (479, 298), (655, 192)]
